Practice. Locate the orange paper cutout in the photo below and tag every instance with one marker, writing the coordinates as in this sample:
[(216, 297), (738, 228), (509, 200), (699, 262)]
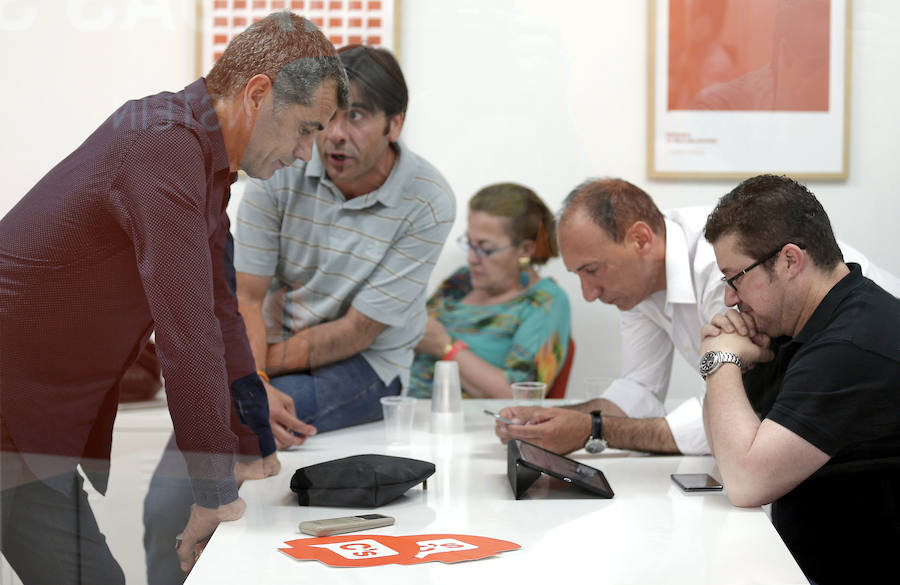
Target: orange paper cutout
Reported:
[(370, 550), (455, 548), (360, 550)]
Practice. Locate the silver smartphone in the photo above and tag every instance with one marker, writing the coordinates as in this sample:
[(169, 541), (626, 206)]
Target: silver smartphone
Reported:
[(498, 417), (330, 526)]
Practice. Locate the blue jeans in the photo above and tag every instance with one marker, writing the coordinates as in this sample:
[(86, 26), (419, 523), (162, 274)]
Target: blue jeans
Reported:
[(339, 395), (51, 537)]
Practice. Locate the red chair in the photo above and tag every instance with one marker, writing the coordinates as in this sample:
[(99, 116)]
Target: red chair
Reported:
[(558, 390)]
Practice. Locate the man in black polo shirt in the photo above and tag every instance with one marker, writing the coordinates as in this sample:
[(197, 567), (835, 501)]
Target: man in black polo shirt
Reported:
[(814, 426)]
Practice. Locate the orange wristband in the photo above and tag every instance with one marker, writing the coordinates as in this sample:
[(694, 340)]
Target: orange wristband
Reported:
[(263, 375), (457, 346)]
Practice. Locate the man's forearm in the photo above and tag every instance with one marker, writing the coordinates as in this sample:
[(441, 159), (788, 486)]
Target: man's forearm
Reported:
[(290, 355), (709, 437), (651, 435), (601, 404), (324, 344), (256, 334), (731, 425), (251, 293)]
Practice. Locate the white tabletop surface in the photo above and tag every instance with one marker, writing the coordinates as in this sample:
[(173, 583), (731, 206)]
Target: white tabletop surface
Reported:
[(650, 532)]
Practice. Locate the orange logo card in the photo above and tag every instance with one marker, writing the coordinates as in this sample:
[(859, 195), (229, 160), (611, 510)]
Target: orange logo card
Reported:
[(371, 550), (453, 548)]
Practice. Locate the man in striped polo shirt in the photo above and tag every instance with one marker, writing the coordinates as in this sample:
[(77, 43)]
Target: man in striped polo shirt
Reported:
[(333, 258)]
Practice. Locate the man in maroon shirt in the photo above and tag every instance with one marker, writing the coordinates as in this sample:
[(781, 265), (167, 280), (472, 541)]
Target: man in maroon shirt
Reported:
[(126, 236)]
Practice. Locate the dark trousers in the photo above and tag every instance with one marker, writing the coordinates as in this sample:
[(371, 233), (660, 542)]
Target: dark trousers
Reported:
[(339, 395), (50, 537)]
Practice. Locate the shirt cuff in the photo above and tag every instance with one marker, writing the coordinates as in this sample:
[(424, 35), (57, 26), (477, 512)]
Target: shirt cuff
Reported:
[(211, 493), (212, 478), (686, 424), (634, 399), (252, 406)]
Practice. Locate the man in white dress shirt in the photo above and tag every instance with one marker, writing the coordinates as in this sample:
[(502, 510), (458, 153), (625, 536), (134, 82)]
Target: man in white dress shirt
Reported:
[(660, 272)]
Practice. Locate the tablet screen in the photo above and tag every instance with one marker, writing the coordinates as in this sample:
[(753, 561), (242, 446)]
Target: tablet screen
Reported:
[(564, 468)]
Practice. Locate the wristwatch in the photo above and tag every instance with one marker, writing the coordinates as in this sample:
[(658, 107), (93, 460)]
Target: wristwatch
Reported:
[(596, 443), (713, 360)]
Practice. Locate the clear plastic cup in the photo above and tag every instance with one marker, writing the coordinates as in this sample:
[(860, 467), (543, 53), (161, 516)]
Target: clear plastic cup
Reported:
[(399, 412), (528, 392), (446, 398)]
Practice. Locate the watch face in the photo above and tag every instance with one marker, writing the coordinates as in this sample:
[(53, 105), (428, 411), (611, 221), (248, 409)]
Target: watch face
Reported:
[(595, 445), (708, 362)]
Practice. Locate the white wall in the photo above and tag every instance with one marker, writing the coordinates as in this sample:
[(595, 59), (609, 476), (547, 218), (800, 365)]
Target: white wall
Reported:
[(69, 63), (505, 90), (501, 90)]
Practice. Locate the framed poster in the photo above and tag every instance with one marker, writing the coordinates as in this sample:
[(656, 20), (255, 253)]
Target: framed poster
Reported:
[(740, 88), (344, 22)]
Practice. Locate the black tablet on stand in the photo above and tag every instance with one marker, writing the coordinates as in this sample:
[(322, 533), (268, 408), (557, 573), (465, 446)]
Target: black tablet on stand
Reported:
[(526, 463)]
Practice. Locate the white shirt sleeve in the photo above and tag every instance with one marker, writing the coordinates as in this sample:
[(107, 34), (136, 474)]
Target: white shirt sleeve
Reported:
[(686, 424), (686, 421), (647, 362)]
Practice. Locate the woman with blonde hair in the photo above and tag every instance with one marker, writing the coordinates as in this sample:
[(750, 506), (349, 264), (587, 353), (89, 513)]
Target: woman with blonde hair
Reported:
[(496, 317)]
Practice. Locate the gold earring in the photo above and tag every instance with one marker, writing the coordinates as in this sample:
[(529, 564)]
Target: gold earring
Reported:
[(524, 277)]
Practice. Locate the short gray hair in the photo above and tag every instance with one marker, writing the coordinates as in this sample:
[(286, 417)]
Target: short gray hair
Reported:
[(289, 50), (298, 80)]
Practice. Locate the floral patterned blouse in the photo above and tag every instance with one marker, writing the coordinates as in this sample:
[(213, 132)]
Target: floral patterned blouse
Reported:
[(527, 336)]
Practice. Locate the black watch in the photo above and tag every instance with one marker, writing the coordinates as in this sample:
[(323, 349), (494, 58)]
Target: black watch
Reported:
[(596, 443)]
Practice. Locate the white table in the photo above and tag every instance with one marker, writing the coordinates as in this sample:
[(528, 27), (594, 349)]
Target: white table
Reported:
[(649, 533)]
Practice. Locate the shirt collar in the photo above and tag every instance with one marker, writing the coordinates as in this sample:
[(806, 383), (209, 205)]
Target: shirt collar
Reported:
[(679, 281), (821, 317), (197, 98), (315, 168), (389, 194)]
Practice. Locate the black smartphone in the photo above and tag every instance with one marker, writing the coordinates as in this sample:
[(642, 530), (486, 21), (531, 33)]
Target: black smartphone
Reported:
[(696, 482)]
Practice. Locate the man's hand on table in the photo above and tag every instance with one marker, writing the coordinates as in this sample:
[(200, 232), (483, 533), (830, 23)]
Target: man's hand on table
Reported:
[(286, 427), (257, 468), (560, 430), (201, 524)]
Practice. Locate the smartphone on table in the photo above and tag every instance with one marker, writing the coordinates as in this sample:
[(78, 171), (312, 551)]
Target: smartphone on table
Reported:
[(696, 482)]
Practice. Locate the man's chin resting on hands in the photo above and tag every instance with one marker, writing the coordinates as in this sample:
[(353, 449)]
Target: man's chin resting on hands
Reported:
[(752, 347)]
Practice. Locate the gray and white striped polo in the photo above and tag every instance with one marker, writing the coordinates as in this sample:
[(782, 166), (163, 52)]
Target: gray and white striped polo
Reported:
[(374, 252)]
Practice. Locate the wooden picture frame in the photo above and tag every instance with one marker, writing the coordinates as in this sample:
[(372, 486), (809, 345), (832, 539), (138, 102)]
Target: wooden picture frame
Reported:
[(741, 88)]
